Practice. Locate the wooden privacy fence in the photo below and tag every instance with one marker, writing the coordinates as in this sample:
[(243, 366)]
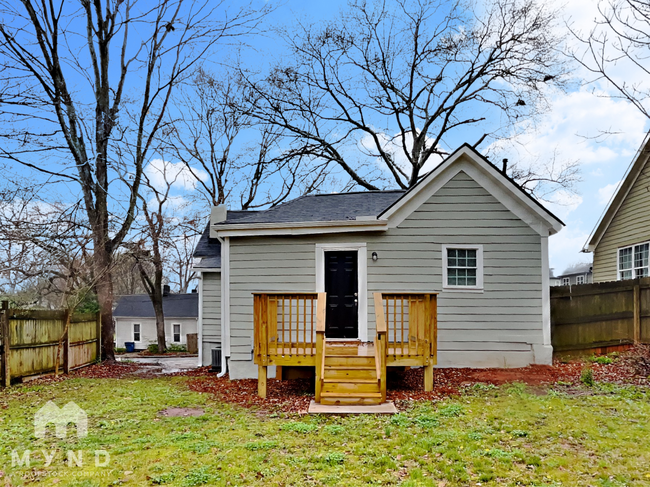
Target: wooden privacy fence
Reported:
[(600, 315), (30, 341)]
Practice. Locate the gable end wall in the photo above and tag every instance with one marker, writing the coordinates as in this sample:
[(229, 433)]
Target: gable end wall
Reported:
[(498, 327), (630, 225)]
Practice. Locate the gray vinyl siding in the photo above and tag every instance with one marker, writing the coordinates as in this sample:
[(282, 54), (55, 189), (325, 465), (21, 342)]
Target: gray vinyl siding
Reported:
[(630, 225), (506, 318), (211, 314)]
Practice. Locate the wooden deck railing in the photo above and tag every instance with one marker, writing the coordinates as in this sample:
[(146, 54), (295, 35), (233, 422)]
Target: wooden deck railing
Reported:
[(285, 330), (380, 345), (410, 323)]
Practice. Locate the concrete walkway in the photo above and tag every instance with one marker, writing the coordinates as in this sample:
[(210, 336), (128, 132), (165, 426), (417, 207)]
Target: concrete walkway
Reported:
[(167, 365)]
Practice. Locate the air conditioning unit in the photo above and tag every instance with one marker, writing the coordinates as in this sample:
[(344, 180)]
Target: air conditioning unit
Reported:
[(216, 360)]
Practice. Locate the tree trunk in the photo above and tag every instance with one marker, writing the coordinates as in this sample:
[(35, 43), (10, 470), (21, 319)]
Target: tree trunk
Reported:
[(160, 324), (102, 260)]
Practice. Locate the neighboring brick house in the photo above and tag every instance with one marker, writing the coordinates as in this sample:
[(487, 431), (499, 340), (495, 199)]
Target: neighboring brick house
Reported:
[(621, 241)]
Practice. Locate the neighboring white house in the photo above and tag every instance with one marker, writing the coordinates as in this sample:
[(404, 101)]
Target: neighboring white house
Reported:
[(466, 231), (576, 274), (135, 320)]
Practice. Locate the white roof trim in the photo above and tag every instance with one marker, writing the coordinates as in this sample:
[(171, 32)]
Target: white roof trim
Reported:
[(618, 198), (299, 228), (469, 161)]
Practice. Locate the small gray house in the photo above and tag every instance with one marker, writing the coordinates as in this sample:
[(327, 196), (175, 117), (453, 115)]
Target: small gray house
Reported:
[(455, 270), (135, 320)]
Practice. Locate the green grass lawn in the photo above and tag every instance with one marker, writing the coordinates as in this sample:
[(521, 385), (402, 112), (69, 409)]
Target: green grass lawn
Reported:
[(489, 436)]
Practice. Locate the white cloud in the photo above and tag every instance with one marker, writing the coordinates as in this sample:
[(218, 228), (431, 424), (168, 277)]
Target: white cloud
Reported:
[(565, 247), (161, 172), (606, 193), (563, 203)]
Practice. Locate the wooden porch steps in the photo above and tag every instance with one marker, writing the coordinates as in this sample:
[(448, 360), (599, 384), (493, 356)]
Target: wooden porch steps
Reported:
[(349, 376)]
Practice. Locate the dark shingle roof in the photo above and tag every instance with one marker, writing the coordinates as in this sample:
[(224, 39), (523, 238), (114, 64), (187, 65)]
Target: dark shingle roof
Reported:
[(174, 306), (324, 208), (210, 248)]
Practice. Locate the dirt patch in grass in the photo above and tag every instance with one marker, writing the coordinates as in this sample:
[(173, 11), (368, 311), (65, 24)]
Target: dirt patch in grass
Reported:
[(181, 412)]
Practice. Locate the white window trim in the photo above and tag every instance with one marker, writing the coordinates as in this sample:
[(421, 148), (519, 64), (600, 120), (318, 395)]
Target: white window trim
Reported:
[(479, 269), (133, 332), (568, 281), (584, 279), (362, 277), (180, 333), (618, 260)]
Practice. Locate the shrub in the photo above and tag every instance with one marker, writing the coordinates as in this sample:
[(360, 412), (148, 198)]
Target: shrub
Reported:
[(176, 347), (120, 350), (603, 359), (153, 348), (587, 376)]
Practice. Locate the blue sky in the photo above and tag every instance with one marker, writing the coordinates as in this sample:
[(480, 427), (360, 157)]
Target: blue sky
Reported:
[(584, 125)]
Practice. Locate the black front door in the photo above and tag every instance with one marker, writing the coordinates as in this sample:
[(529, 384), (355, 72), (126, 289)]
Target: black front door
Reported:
[(341, 320)]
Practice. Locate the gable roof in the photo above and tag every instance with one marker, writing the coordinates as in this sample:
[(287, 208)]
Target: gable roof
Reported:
[(582, 268), (174, 306), (633, 173), (208, 249), (470, 151), (380, 210)]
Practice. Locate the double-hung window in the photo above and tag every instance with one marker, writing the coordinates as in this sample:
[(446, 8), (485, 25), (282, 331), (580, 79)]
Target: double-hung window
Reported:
[(136, 332), (462, 267), (566, 281), (580, 279), (176, 329), (633, 261)]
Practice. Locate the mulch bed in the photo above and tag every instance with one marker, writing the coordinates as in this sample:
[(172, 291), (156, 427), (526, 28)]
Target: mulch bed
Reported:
[(632, 367)]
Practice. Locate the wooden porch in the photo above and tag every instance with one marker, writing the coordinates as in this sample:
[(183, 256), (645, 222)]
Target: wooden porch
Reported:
[(290, 332)]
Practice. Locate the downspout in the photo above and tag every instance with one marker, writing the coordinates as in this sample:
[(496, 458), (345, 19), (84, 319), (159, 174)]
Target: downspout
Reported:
[(225, 304), (199, 324)]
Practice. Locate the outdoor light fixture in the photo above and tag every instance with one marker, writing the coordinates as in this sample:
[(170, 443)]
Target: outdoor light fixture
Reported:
[(375, 257)]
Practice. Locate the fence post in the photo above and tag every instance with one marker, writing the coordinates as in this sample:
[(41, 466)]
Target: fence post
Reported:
[(637, 313), (98, 331), (6, 340), (66, 342)]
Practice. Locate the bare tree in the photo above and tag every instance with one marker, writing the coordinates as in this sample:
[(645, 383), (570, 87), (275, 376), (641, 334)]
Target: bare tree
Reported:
[(164, 237), (228, 153), (45, 250), (379, 91), (621, 38), (70, 75)]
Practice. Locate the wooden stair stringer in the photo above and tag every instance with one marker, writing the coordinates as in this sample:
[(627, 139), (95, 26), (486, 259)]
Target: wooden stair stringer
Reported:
[(349, 378)]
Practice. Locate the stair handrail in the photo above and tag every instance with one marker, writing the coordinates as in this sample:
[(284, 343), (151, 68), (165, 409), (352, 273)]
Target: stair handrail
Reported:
[(381, 348), (321, 305)]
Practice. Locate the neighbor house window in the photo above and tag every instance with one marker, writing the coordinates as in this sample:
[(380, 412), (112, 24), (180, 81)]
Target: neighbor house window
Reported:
[(566, 281), (580, 279), (136, 332), (633, 261), (462, 266), (177, 332)]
